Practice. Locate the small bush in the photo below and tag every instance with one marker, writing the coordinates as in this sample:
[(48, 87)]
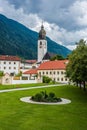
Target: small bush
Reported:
[(19, 74), (1, 73), (44, 94), (51, 94), (46, 79), (38, 97), (59, 99)]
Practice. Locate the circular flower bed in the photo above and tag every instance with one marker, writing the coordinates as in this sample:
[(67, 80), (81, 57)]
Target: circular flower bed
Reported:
[(44, 97), (28, 100)]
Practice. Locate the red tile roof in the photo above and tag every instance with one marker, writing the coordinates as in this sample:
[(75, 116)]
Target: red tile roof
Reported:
[(53, 65), (9, 58), (31, 71)]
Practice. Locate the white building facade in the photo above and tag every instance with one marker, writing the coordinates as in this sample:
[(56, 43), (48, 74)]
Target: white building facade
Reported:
[(9, 64), (55, 70)]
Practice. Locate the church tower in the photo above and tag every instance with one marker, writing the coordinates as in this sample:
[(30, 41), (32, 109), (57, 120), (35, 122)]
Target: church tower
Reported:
[(42, 44)]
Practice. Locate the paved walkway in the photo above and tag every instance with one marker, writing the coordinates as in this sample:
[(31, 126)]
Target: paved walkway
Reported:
[(18, 89)]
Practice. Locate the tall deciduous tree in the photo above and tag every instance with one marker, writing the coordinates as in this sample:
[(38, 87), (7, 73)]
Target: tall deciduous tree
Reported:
[(77, 67)]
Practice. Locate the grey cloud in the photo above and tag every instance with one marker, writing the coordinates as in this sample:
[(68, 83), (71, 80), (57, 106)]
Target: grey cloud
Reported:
[(29, 6), (55, 11), (62, 23)]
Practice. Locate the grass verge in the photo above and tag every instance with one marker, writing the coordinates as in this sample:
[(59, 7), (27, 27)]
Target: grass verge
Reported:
[(17, 115)]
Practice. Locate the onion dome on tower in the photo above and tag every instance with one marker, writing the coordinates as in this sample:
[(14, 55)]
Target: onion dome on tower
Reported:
[(42, 33)]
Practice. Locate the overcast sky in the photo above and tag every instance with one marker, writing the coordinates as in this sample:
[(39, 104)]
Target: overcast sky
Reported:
[(65, 21)]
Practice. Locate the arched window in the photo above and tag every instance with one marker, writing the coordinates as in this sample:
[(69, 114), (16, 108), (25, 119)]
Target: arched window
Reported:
[(40, 43)]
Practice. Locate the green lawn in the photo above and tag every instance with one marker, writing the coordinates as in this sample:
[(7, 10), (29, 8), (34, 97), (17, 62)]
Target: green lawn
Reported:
[(17, 115)]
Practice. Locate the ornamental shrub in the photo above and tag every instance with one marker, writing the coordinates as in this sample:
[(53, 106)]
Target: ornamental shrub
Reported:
[(51, 94), (38, 97), (46, 79), (44, 97)]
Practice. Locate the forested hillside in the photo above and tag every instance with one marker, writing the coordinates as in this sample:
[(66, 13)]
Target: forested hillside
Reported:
[(16, 39)]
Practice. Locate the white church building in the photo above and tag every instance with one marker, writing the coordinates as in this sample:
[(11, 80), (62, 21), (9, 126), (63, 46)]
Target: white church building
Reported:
[(53, 69)]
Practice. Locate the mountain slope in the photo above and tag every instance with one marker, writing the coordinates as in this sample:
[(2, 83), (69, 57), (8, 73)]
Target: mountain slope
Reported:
[(16, 39)]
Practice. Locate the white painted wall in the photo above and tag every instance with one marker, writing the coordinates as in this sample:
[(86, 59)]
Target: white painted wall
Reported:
[(23, 81), (29, 80), (10, 66), (25, 66)]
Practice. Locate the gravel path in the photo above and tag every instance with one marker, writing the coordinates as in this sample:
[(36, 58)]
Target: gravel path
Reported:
[(18, 89)]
